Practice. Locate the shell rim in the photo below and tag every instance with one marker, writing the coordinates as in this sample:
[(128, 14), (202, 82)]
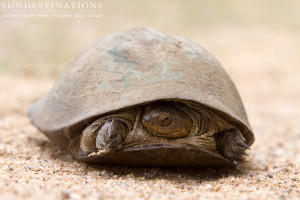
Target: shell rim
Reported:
[(133, 150), (244, 128)]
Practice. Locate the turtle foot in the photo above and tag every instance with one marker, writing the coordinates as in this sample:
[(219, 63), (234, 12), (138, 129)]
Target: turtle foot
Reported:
[(232, 145), (110, 137)]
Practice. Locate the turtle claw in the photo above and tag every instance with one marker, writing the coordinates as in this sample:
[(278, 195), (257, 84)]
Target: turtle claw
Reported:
[(232, 145), (244, 145), (237, 158), (110, 136), (241, 152)]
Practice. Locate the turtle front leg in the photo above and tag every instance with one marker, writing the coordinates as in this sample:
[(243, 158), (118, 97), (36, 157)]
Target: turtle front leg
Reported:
[(232, 145), (111, 135)]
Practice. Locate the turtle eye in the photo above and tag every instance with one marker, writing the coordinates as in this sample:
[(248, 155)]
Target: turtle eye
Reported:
[(165, 120)]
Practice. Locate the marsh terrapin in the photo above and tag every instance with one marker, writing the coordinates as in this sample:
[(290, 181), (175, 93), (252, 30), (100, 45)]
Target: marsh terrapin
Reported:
[(139, 97)]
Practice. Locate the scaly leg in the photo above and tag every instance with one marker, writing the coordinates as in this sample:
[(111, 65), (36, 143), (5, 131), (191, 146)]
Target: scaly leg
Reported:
[(232, 145), (111, 135)]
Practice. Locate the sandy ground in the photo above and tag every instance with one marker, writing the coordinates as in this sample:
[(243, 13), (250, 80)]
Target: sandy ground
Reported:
[(32, 168)]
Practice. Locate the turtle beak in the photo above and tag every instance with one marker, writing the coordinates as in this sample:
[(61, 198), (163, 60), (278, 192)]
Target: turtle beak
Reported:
[(146, 120)]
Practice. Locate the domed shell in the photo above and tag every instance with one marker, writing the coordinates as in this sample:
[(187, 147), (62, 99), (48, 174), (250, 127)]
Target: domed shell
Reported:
[(134, 67)]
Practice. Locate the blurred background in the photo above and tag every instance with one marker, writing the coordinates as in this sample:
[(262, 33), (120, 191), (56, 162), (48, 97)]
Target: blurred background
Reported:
[(244, 34)]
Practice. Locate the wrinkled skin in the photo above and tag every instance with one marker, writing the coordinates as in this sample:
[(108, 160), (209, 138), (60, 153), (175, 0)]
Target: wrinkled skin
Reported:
[(166, 120)]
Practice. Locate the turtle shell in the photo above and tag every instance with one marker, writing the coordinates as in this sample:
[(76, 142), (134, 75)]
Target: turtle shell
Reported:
[(130, 68)]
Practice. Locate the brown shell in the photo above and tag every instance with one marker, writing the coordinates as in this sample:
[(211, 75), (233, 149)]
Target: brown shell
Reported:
[(134, 67)]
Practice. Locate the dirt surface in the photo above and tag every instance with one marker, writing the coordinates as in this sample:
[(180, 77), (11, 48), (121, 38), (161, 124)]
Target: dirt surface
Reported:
[(267, 76)]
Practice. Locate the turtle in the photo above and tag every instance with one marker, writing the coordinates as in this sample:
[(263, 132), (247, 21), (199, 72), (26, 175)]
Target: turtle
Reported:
[(141, 98)]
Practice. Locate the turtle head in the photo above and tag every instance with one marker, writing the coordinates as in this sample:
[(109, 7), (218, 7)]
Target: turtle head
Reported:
[(165, 120)]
